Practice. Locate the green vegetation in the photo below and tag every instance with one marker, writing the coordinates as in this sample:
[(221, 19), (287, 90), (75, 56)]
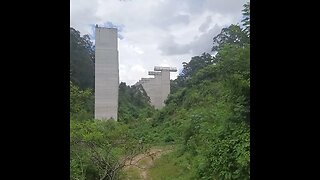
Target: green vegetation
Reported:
[(169, 166), (99, 149), (133, 104), (131, 173), (206, 118), (81, 103), (81, 60)]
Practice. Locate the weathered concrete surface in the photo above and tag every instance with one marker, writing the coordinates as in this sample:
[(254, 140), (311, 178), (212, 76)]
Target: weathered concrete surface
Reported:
[(106, 73), (158, 88)]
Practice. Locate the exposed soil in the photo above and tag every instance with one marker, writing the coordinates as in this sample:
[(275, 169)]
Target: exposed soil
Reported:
[(143, 162)]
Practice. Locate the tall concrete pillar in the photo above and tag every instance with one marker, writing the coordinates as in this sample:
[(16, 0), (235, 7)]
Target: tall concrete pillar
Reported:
[(153, 89), (165, 81), (158, 88), (106, 73)]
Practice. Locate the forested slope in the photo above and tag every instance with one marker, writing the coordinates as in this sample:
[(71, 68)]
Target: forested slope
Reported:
[(206, 118)]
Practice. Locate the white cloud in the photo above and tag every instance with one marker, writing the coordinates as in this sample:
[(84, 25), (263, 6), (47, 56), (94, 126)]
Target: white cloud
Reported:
[(205, 25), (162, 32)]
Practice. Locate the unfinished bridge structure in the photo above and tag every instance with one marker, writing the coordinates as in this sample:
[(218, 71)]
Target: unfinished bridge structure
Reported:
[(157, 88), (106, 73), (107, 77)]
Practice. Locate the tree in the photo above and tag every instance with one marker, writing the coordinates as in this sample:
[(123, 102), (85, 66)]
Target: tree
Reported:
[(134, 103), (207, 115), (81, 103), (246, 18), (189, 69), (196, 63), (231, 35), (210, 114), (81, 60), (100, 149)]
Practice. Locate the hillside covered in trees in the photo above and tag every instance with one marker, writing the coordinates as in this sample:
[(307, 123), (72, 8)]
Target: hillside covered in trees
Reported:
[(206, 118)]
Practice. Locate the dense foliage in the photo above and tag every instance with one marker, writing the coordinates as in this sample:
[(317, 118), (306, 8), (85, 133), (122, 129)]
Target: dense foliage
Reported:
[(189, 69), (100, 149), (134, 103), (246, 18), (206, 117), (81, 60), (81, 103), (209, 112)]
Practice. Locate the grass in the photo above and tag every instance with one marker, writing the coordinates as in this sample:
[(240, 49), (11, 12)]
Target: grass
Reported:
[(144, 162), (166, 168), (131, 173)]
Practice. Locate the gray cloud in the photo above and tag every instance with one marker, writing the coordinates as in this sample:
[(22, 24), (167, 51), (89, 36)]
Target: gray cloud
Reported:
[(184, 19), (205, 25), (217, 6), (166, 21), (203, 43), (162, 32), (225, 6), (197, 46), (169, 13), (170, 47), (83, 14)]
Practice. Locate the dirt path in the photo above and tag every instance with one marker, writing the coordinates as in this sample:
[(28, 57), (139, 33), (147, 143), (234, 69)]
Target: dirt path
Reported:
[(143, 162)]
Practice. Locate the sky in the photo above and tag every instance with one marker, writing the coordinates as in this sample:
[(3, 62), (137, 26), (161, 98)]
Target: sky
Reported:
[(156, 32)]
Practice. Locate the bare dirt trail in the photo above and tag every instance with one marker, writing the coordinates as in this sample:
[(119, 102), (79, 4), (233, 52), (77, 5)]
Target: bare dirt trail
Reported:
[(143, 162)]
